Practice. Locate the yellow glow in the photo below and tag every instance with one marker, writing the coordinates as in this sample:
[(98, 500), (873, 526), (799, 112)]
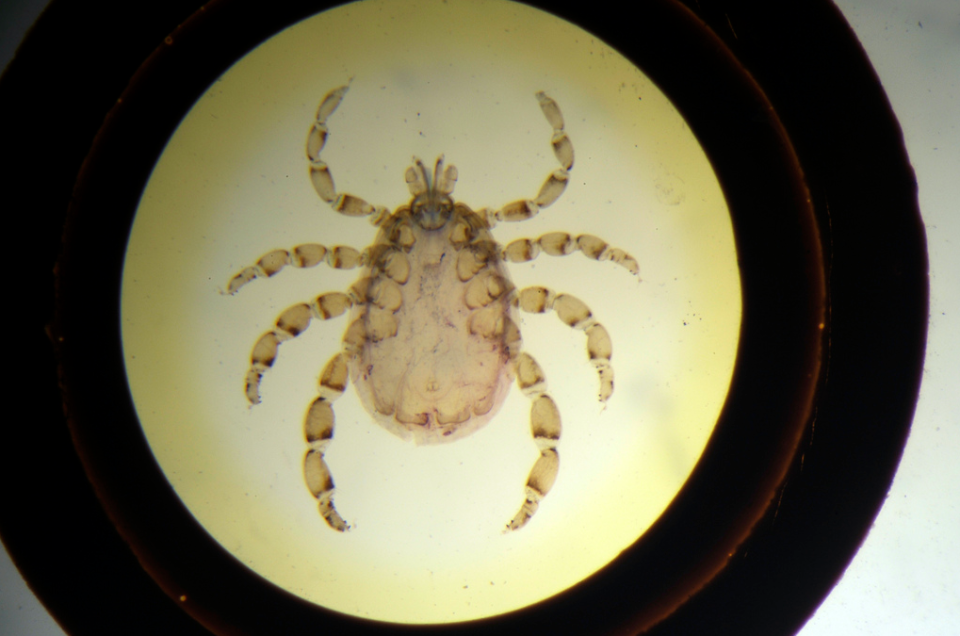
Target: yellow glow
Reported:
[(429, 77)]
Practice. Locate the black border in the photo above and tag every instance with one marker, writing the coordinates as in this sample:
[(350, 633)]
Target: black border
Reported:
[(866, 362)]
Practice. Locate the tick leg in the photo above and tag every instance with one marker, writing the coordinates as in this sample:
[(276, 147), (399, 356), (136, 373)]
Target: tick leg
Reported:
[(318, 430), (556, 182), (576, 314), (561, 244), (302, 256), (545, 427), (347, 204), (290, 324)]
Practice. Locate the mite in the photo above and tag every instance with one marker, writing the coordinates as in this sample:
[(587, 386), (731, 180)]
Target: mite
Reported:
[(432, 344)]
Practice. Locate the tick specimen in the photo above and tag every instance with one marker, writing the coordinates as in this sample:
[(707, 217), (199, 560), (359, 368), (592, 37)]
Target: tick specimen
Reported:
[(433, 344)]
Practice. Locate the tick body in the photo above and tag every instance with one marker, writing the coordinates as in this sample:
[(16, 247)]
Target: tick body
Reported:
[(439, 365), (432, 344)]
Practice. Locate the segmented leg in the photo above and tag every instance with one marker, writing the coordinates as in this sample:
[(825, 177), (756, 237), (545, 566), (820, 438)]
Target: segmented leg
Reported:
[(545, 426), (561, 244), (575, 313), (303, 256), (556, 183), (347, 204), (318, 429), (290, 324)]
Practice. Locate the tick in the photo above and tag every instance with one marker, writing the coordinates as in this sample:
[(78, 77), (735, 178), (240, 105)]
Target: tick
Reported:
[(433, 342)]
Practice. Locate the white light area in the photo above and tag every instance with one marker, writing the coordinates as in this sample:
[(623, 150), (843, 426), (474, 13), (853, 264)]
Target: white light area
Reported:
[(22, 613), (906, 577), (430, 77)]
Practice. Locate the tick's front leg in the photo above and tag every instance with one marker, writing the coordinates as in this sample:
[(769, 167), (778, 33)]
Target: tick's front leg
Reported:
[(346, 204), (556, 182)]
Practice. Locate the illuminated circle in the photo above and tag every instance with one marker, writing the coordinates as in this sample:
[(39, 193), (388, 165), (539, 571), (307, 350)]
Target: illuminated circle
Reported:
[(429, 78)]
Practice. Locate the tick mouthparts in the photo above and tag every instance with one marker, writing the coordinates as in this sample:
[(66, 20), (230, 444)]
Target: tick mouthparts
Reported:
[(437, 174), (432, 183)]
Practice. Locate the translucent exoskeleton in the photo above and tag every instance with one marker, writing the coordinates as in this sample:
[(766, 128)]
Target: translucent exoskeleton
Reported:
[(432, 343)]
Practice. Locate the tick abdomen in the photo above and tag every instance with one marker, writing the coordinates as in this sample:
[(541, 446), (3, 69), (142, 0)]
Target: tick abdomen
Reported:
[(442, 375)]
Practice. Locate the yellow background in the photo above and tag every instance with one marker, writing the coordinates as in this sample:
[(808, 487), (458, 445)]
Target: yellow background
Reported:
[(429, 77)]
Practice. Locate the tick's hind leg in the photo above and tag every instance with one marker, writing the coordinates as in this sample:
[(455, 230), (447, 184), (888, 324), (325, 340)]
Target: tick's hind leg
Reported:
[(576, 314), (556, 182), (318, 429), (347, 204), (545, 427)]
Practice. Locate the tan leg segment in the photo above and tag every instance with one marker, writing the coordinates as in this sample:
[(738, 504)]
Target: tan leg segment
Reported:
[(576, 314), (320, 176), (318, 430), (290, 324), (556, 183), (303, 256), (561, 244), (545, 427)]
